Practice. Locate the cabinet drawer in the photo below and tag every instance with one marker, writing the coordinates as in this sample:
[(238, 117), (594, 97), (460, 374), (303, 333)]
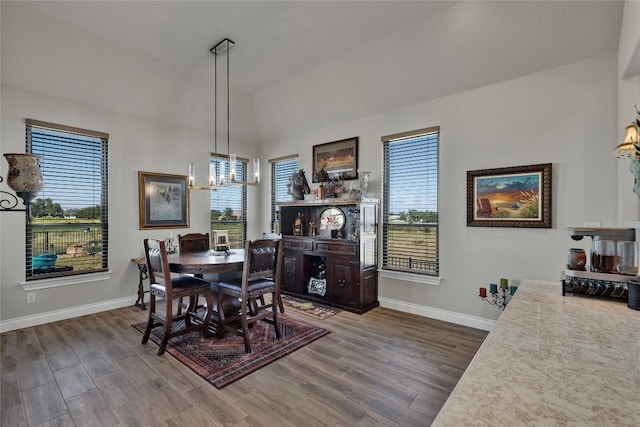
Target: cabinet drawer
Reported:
[(306, 245), (336, 248)]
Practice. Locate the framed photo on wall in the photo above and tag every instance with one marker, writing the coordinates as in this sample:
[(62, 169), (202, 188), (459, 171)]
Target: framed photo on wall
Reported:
[(163, 200), (518, 196), (337, 159)]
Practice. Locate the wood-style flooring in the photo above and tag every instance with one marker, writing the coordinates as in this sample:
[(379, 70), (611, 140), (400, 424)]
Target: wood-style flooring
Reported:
[(382, 368)]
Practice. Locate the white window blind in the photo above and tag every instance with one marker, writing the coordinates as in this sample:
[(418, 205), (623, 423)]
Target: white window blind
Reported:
[(281, 171), (410, 202), (229, 203), (69, 229)]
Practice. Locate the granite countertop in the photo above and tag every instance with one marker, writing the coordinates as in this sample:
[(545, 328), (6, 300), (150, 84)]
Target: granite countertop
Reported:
[(552, 360)]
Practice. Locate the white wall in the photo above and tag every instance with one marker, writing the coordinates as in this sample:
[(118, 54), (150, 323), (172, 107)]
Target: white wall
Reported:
[(135, 144), (564, 116)]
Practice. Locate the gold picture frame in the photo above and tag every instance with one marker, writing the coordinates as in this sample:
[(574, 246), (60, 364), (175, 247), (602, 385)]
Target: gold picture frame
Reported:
[(163, 200)]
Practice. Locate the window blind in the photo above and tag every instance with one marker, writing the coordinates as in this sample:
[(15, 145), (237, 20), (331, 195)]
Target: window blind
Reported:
[(229, 203), (281, 170), (410, 201), (69, 229)]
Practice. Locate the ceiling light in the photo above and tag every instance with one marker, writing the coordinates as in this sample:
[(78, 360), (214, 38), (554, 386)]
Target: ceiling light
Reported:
[(219, 49)]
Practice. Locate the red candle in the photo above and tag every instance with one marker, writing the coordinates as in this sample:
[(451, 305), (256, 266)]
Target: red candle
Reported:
[(483, 292)]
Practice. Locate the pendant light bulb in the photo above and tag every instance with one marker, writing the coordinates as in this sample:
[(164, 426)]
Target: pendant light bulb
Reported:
[(256, 170), (232, 167), (192, 174)]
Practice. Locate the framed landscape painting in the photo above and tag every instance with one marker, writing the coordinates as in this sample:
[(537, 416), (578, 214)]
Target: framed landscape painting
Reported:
[(163, 200), (518, 196), (337, 159)]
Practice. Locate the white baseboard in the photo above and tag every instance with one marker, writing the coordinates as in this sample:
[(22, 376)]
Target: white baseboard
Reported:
[(67, 313), (436, 313), (420, 310)]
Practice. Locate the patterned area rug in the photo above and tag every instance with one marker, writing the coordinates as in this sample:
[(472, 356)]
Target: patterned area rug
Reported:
[(307, 307), (224, 361)]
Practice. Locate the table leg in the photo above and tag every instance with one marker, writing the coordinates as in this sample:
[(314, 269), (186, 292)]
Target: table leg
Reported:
[(142, 275)]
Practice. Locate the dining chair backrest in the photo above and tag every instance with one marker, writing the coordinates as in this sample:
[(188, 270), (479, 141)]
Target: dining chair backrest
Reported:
[(262, 259), (193, 242), (157, 263)]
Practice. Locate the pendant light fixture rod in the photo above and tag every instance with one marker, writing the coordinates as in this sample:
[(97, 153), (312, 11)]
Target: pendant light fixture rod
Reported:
[(219, 49)]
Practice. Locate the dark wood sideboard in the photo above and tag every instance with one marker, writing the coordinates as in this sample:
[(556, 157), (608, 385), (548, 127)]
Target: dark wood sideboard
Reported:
[(330, 252)]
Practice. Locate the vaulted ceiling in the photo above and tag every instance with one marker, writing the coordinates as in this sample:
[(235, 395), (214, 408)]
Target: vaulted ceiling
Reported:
[(420, 49)]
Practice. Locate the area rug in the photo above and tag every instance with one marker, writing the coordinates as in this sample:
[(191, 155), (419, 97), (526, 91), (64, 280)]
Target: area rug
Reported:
[(307, 307), (221, 362)]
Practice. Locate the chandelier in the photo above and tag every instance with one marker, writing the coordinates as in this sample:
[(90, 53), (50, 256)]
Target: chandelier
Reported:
[(220, 49)]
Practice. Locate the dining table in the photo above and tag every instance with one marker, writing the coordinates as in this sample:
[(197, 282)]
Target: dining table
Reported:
[(207, 262)]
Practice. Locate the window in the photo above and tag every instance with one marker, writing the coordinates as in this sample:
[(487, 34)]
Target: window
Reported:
[(281, 171), (69, 229), (229, 203), (410, 202)]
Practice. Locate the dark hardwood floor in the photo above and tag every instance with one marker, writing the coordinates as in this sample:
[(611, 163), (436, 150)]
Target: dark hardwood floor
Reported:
[(382, 368)]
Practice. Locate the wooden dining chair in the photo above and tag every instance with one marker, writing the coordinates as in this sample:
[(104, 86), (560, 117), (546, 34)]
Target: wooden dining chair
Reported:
[(261, 275), (193, 242), (163, 285)]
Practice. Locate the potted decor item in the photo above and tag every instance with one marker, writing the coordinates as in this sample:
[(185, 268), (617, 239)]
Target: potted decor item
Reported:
[(25, 176)]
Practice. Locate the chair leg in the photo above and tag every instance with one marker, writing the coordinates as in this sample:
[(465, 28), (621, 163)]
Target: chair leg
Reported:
[(167, 327), (280, 304), (189, 310), (152, 311), (276, 317), (245, 328)]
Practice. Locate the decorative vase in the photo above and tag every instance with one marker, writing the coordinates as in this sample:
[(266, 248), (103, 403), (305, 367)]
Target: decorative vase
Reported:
[(577, 259), (24, 176)]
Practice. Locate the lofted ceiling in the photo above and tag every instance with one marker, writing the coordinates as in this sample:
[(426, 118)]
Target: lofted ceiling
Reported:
[(429, 48)]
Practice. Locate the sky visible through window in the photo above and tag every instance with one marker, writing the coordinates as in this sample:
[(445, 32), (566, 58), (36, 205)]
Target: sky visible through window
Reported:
[(413, 175), (71, 167), (230, 196)]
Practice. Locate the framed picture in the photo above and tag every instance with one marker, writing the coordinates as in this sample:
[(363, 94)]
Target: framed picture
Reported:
[(163, 200), (518, 196), (337, 159)]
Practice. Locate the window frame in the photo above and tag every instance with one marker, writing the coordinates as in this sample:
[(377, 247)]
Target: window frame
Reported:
[(71, 132), (275, 220), (412, 274)]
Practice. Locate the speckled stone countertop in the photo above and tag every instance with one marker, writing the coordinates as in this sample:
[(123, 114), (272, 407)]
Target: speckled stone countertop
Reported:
[(552, 360)]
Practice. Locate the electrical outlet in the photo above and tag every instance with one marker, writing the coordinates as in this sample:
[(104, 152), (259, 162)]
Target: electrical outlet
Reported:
[(31, 297)]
